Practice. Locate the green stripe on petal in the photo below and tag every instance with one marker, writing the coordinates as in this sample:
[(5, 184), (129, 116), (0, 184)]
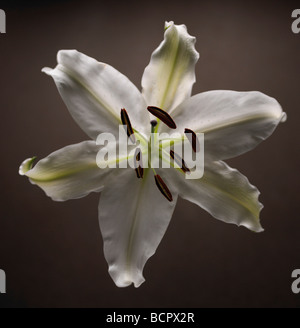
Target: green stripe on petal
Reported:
[(68, 173), (95, 92), (223, 192), (133, 228), (232, 122), (170, 75)]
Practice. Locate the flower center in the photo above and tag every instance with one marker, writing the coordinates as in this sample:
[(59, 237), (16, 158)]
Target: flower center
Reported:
[(153, 142)]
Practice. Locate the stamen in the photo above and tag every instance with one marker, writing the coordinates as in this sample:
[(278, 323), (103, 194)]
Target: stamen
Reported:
[(163, 187), (138, 168), (180, 162), (192, 137), (139, 172), (163, 116), (137, 155), (126, 121)]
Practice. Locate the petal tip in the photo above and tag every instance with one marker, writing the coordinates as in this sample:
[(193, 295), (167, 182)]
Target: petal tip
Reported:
[(26, 165), (254, 227), (168, 24), (283, 117), (258, 229), (124, 279), (47, 70), (64, 55), (261, 229)]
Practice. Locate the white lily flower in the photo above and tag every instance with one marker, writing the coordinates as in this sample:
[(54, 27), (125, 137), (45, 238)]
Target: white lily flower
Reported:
[(134, 213)]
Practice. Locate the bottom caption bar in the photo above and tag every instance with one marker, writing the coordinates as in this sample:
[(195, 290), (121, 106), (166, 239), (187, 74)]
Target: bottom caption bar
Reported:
[(147, 316)]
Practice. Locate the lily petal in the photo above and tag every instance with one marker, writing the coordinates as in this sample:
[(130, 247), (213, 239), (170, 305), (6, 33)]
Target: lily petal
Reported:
[(232, 122), (223, 192), (168, 79), (68, 173), (95, 92), (133, 228)]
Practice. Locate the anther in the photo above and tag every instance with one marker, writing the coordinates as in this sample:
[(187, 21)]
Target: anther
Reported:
[(192, 137), (163, 116), (126, 121), (163, 187), (137, 154), (137, 159), (139, 172), (180, 162)]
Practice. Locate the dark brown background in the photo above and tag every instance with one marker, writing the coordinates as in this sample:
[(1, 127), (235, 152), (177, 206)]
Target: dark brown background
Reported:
[(52, 252)]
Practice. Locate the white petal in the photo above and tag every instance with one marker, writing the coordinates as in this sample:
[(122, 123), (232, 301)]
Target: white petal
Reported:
[(170, 75), (68, 173), (95, 92), (223, 192), (133, 217), (232, 122)]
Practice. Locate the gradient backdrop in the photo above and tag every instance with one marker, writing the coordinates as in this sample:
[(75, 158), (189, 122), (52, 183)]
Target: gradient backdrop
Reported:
[(52, 252)]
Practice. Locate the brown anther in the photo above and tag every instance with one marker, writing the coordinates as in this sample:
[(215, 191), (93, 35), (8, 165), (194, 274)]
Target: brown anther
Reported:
[(162, 115), (137, 159), (137, 154), (139, 172), (180, 162), (163, 187), (192, 137), (126, 121)]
